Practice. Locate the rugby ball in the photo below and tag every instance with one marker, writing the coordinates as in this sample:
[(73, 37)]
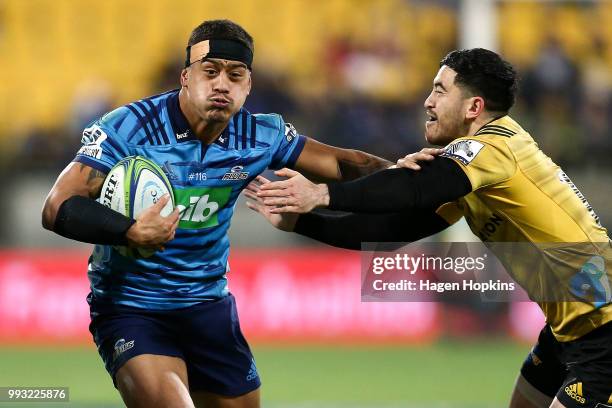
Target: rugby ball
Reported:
[(133, 185)]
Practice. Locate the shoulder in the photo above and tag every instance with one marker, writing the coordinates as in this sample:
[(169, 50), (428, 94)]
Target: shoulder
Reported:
[(142, 118), (466, 149), (268, 121), (275, 127), (486, 159), (501, 132), (269, 128)]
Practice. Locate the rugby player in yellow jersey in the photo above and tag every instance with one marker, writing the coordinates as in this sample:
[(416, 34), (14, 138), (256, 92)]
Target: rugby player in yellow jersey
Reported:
[(492, 173)]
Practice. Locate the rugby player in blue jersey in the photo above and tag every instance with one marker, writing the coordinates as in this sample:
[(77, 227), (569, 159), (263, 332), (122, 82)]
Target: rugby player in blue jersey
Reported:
[(166, 326)]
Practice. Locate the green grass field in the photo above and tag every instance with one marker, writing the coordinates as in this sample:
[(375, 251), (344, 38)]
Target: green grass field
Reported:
[(448, 374)]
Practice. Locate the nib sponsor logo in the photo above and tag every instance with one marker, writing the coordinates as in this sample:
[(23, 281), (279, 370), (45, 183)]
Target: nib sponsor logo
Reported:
[(199, 206)]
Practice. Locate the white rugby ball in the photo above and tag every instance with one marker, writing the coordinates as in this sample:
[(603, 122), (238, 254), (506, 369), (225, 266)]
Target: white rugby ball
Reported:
[(133, 185)]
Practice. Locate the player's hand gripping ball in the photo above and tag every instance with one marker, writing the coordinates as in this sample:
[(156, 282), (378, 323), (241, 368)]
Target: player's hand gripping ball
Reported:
[(133, 185)]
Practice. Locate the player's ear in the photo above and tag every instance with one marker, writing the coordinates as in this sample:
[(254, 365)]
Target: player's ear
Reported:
[(475, 107), (184, 77), (250, 84)]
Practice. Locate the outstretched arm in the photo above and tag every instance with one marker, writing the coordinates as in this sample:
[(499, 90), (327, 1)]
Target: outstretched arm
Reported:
[(349, 230), (392, 190)]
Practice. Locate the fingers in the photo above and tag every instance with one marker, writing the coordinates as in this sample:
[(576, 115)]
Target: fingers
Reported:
[(285, 172), (276, 185), (157, 207), (407, 164), (432, 150), (161, 203), (287, 209), (251, 195), (174, 215), (256, 184), (273, 193), (410, 161), (254, 207), (279, 201), (176, 221), (252, 186), (262, 179)]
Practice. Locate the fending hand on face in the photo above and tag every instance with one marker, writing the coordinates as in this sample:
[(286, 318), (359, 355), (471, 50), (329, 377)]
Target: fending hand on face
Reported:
[(297, 194)]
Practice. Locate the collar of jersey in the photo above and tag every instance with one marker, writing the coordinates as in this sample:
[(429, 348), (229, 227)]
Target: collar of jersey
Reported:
[(180, 125)]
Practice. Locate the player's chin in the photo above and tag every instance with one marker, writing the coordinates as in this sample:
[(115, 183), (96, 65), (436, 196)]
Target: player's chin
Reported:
[(432, 137), (218, 115)]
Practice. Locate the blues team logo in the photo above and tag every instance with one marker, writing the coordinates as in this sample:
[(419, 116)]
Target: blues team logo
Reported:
[(121, 346), (92, 140), (236, 173), (290, 132), (591, 284)]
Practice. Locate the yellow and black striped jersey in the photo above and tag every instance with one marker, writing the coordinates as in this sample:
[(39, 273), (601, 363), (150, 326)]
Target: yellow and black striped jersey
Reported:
[(519, 195)]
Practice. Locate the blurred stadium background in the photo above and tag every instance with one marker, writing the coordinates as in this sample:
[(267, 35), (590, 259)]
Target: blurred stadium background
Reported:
[(352, 73)]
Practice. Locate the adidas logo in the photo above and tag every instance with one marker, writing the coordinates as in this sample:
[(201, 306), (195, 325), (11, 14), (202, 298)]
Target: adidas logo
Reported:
[(575, 392), (252, 372)]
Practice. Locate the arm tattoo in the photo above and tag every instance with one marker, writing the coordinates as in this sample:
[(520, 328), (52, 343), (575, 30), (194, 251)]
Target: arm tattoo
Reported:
[(95, 179), (351, 170), (95, 174)]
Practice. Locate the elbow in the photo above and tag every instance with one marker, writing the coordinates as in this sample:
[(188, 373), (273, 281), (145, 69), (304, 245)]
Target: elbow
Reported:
[(50, 210), (48, 216)]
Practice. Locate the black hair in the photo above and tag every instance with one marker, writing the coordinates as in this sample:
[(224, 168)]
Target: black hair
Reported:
[(484, 73), (221, 30)]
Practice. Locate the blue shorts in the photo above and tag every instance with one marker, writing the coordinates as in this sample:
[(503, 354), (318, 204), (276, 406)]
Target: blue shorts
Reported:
[(206, 336)]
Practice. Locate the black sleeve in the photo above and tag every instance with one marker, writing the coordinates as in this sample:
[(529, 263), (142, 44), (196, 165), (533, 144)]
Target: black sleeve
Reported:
[(395, 190), (349, 230), (86, 220)]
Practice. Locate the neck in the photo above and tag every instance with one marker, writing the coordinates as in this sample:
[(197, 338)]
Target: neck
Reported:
[(204, 130), (482, 120)]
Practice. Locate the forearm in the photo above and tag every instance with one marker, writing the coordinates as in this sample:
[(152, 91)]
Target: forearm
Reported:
[(86, 220), (350, 230), (323, 163), (354, 164), (398, 190)]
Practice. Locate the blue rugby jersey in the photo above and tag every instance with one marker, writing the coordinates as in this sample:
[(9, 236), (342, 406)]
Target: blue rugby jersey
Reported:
[(206, 179)]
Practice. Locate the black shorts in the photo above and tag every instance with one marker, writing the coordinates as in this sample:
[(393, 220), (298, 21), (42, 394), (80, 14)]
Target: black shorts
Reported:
[(206, 336), (578, 373)]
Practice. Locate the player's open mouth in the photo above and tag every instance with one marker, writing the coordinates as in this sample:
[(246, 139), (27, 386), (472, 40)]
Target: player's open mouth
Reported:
[(431, 117)]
